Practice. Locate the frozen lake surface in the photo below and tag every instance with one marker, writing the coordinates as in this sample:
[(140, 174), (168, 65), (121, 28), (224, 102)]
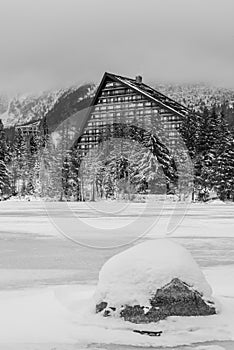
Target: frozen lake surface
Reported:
[(37, 259), (33, 251)]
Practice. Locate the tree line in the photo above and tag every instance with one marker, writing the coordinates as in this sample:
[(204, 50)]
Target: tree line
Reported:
[(44, 165)]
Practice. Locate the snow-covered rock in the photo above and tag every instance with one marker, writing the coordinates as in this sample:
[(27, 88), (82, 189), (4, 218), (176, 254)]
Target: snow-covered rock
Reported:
[(137, 278)]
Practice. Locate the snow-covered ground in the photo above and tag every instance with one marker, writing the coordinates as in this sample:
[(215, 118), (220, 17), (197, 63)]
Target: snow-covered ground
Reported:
[(62, 315), (47, 281)]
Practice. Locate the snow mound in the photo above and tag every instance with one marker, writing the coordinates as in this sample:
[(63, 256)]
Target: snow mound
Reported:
[(133, 276)]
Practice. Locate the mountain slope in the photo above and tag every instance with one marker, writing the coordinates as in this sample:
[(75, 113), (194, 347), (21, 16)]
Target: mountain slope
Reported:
[(68, 103), (54, 105)]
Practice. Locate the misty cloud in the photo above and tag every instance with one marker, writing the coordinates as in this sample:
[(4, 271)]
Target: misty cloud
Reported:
[(51, 43)]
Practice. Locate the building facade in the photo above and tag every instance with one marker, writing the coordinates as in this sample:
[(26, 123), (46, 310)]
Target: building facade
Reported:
[(123, 100), (29, 129)]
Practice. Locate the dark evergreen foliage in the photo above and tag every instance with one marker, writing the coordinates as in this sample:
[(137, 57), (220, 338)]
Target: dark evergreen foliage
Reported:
[(210, 144), (4, 173)]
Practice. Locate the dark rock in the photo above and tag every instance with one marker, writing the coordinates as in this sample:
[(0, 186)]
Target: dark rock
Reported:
[(106, 313), (174, 299), (133, 313), (113, 308), (101, 306), (150, 333), (179, 299)]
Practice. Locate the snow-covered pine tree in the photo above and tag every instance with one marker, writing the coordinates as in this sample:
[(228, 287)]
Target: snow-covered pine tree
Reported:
[(74, 175), (206, 152), (26, 171), (20, 162), (222, 176), (5, 187), (209, 142), (190, 131), (162, 154), (51, 169), (14, 160)]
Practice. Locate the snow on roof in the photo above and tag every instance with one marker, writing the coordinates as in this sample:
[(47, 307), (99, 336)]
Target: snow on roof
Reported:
[(133, 276)]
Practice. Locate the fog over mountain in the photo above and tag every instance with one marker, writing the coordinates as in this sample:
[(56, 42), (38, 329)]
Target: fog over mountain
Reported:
[(50, 44)]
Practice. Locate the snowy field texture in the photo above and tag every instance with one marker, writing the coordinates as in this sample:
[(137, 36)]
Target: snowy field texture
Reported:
[(47, 280)]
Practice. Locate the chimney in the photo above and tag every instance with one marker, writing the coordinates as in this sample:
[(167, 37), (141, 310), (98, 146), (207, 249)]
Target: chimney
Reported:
[(139, 79)]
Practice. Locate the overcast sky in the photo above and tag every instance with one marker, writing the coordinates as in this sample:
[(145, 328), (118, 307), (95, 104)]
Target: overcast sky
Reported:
[(51, 43)]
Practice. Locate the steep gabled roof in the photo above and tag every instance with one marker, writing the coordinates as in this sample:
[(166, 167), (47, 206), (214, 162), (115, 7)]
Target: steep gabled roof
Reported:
[(147, 91)]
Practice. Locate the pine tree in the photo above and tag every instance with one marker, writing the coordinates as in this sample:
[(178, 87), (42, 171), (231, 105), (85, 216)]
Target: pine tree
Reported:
[(75, 176), (189, 131), (210, 145), (223, 173), (52, 157), (206, 152), (4, 173)]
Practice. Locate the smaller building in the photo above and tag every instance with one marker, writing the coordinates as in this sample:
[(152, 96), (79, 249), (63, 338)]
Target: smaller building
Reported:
[(28, 129)]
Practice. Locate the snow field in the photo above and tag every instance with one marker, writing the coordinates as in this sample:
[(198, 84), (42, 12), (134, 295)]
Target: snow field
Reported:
[(66, 314), (63, 317)]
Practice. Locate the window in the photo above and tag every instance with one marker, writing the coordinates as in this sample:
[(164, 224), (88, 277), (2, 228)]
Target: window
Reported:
[(147, 103), (171, 134), (109, 84)]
